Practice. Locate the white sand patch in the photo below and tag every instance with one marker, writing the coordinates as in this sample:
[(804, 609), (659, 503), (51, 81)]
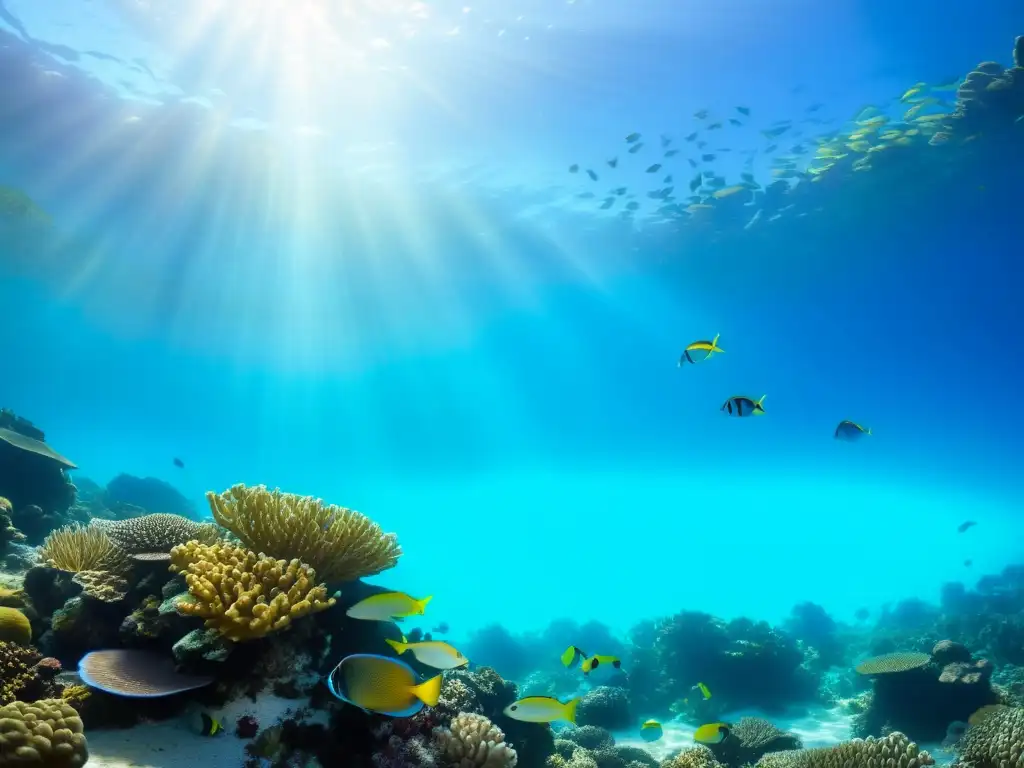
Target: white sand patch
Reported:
[(173, 744), (819, 727)]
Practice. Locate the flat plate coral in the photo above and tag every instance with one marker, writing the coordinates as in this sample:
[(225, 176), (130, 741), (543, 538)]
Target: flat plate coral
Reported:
[(136, 674), (34, 446)]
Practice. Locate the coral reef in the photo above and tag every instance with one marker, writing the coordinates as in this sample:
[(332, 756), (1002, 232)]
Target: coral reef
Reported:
[(243, 595), (605, 707), (893, 751), (102, 585), (693, 757), (14, 626), (750, 739), (922, 700), (46, 733), (339, 543), (588, 737), (473, 741), (32, 476), (745, 664), (570, 753)]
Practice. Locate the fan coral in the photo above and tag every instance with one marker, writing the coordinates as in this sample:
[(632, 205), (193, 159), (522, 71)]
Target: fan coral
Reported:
[(243, 595), (893, 751), (750, 739), (996, 740), (17, 669), (156, 533), (341, 544), (694, 757), (892, 662), (14, 626), (46, 733), (77, 548), (102, 585), (473, 741)]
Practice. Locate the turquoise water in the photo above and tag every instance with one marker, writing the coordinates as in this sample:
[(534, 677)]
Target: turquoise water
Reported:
[(346, 258)]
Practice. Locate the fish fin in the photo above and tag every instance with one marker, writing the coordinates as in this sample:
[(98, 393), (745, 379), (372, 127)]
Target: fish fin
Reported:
[(570, 710), (714, 344), (400, 647), (869, 431), (429, 691), (423, 603)]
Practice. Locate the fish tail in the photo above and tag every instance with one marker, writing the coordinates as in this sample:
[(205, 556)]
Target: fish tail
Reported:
[(569, 713), (400, 647), (429, 691), (869, 431), (423, 603), (714, 344)]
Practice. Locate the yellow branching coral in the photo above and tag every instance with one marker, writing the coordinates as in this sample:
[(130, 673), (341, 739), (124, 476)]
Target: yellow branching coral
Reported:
[(77, 548), (340, 543), (243, 595), (473, 741)]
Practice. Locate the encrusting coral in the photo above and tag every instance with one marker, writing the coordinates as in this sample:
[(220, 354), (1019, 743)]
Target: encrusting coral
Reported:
[(994, 740), (473, 741), (156, 533), (46, 733), (102, 585), (339, 543), (243, 595), (77, 548), (892, 751)]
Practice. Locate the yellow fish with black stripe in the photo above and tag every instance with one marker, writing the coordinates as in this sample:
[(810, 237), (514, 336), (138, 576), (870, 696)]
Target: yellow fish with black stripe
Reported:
[(542, 709), (382, 685), (596, 661), (572, 656), (699, 351), (741, 405), (712, 733)]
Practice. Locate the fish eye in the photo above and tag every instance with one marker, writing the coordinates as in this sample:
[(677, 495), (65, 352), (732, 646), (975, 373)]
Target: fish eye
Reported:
[(514, 707)]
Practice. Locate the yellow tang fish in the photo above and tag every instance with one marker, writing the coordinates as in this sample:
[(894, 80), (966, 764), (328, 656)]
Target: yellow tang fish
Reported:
[(433, 653), (572, 656), (712, 733), (388, 606), (848, 430), (651, 730), (700, 346), (740, 405), (382, 685), (542, 709), (595, 661), (704, 690)]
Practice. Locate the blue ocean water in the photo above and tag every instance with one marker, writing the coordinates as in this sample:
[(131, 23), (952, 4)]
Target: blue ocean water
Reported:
[(335, 248)]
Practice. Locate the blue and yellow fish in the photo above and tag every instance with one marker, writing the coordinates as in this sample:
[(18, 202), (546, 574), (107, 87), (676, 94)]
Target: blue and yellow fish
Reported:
[(382, 685), (209, 726), (596, 661), (711, 733), (572, 656), (744, 406), (699, 351), (651, 730), (850, 431)]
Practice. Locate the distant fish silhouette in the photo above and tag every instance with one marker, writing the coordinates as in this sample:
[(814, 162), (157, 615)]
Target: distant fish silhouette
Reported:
[(968, 563), (441, 628), (965, 525), (179, 463)]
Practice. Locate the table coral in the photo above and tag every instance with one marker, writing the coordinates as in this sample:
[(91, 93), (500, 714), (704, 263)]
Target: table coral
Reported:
[(46, 733), (340, 543), (156, 533), (243, 595)]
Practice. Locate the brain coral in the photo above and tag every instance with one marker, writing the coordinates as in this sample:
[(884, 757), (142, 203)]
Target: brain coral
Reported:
[(340, 543), (156, 533), (14, 626), (243, 595), (473, 741), (995, 739), (892, 751), (45, 733), (77, 548)]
